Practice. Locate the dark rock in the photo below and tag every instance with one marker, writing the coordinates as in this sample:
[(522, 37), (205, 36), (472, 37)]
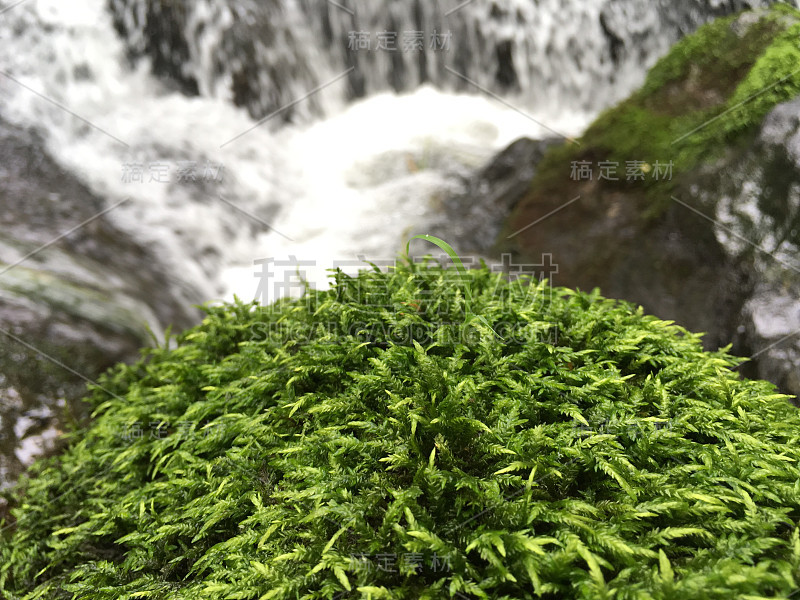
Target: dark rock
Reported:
[(77, 295), (473, 218), (252, 46), (757, 197), (674, 267)]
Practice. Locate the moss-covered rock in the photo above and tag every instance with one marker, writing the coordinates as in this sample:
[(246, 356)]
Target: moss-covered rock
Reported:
[(711, 91), (651, 238), (361, 442)]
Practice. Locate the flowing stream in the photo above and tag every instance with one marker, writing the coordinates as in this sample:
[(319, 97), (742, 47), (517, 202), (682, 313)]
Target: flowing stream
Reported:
[(347, 171)]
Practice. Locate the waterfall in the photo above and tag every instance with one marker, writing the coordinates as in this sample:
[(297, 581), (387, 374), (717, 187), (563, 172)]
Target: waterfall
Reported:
[(566, 55), (300, 144)]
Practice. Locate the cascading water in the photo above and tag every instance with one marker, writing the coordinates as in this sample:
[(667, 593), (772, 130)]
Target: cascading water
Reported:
[(552, 55), (326, 177)]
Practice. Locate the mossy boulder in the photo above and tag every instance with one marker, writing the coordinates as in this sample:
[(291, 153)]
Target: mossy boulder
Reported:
[(362, 442), (649, 235)]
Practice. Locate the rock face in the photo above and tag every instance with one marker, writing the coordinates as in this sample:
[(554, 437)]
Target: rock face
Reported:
[(710, 242), (472, 219), (757, 197), (76, 297)]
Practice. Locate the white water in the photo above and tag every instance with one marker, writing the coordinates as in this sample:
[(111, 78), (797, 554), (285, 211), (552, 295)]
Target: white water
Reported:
[(557, 55), (356, 183), (372, 175)]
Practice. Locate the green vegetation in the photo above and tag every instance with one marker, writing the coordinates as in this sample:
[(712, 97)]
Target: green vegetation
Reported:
[(595, 452), (708, 94)]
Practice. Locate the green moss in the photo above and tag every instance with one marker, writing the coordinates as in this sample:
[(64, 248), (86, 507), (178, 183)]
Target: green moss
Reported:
[(709, 93), (709, 62), (594, 452), (774, 78)]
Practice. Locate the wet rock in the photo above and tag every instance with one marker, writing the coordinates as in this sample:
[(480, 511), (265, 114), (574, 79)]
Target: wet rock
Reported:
[(76, 296), (264, 55), (757, 197), (251, 52), (715, 246), (473, 218)]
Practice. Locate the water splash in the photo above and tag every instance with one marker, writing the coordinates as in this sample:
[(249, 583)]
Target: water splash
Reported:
[(555, 55), (354, 183)]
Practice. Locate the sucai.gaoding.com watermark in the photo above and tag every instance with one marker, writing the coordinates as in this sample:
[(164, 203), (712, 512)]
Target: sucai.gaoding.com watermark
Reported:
[(279, 279), (379, 333)]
